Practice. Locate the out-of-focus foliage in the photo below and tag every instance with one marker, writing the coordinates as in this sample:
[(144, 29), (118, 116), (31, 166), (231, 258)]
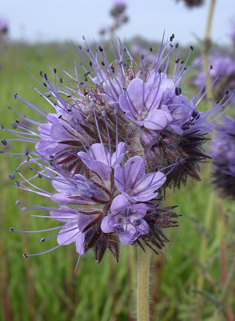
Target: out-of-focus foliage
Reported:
[(47, 287)]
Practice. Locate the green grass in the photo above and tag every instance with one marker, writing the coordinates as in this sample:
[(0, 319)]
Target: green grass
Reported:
[(47, 287)]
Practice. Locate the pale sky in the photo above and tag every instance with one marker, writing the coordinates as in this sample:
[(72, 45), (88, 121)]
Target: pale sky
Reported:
[(59, 20)]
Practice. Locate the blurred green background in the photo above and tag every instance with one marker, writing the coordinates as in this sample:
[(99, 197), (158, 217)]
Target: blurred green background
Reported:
[(47, 287)]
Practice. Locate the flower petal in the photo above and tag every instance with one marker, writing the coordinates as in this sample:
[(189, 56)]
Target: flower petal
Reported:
[(68, 234), (79, 244), (157, 121), (107, 224)]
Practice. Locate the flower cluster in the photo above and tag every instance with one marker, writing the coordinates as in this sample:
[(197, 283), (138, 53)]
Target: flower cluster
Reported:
[(118, 8), (222, 75), (223, 155), (119, 16), (118, 135)]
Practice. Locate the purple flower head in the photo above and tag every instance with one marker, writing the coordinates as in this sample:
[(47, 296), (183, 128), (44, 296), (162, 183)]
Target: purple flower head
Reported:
[(113, 130), (126, 220), (222, 75), (223, 158)]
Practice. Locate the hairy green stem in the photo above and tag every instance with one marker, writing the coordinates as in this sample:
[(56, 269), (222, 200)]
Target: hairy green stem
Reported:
[(226, 292), (209, 19), (206, 48), (143, 285)]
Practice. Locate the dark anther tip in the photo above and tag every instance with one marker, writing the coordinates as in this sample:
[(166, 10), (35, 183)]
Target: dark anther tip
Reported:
[(11, 229), (137, 222), (185, 127), (13, 124), (4, 142), (25, 256), (177, 91), (42, 239)]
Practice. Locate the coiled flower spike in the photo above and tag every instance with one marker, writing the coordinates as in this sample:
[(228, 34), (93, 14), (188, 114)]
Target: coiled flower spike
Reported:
[(118, 134)]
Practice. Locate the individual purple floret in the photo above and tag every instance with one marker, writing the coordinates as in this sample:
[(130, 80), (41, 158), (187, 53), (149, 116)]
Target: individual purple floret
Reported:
[(140, 105), (78, 190), (100, 161), (134, 184), (116, 136), (223, 158), (126, 219), (71, 232)]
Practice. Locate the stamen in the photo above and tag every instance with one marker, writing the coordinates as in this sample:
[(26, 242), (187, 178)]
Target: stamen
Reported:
[(4, 142)]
